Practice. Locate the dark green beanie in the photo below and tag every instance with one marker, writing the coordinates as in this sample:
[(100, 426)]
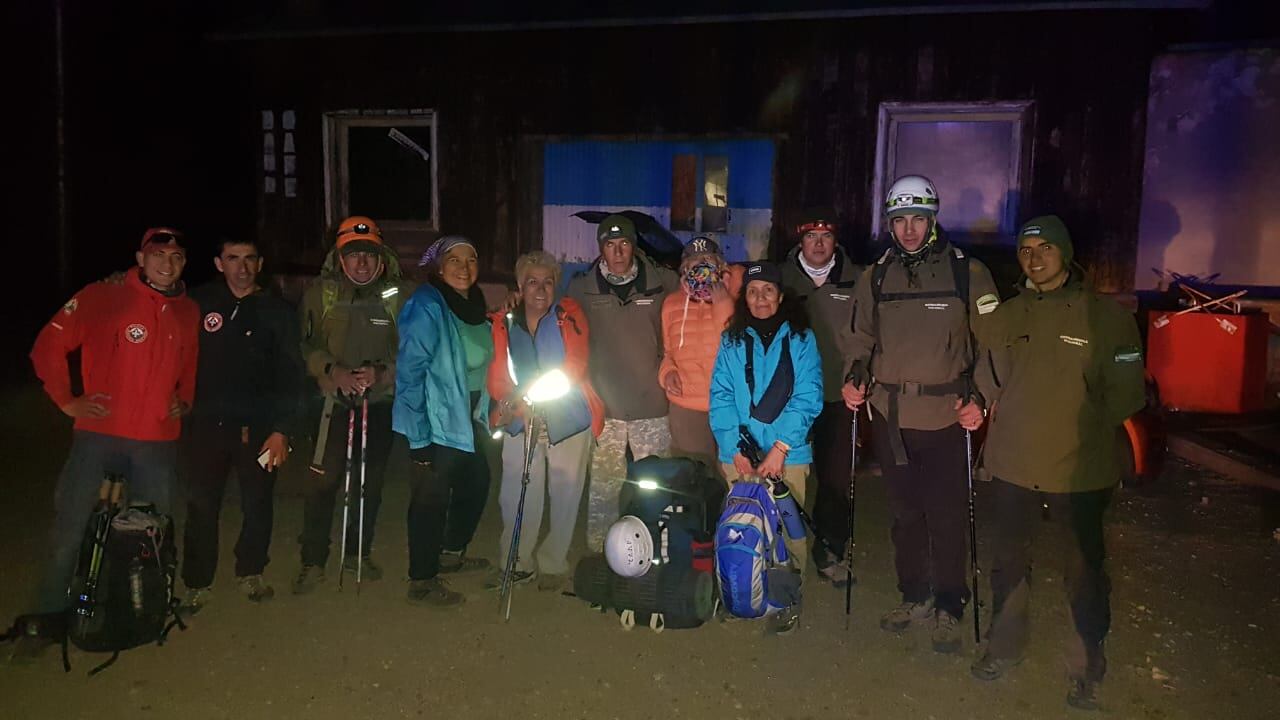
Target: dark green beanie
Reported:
[(615, 226), (1052, 230)]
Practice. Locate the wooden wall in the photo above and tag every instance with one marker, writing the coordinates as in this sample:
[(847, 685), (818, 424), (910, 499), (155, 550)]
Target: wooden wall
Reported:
[(814, 86)]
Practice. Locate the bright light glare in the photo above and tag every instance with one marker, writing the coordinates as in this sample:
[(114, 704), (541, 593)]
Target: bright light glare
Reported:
[(550, 386), (497, 434), (647, 484)]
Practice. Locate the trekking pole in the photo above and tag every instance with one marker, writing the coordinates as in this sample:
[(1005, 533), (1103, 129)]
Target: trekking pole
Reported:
[(973, 538), (853, 493), (364, 455), (513, 550), (346, 493)]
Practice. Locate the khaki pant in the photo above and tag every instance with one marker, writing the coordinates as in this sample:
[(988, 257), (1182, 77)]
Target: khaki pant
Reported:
[(796, 477), (557, 474), (650, 436)]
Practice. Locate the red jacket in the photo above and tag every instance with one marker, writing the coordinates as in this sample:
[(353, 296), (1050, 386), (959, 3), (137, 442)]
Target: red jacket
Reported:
[(573, 329), (137, 346)]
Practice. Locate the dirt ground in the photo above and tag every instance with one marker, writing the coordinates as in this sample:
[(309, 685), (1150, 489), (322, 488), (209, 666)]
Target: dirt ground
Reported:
[(1196, 630)]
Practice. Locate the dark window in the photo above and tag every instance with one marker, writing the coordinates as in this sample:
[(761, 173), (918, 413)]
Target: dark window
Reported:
[(389, 172)]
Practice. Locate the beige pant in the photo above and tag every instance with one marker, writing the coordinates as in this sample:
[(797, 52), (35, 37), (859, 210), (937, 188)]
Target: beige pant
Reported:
[(795, 476)]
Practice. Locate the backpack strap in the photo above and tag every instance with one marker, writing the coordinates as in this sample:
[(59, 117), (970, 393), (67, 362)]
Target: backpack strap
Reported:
[(962, 386)]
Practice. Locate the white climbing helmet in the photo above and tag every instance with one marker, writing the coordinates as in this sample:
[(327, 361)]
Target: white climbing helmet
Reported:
[(911, 195), (628, 547)]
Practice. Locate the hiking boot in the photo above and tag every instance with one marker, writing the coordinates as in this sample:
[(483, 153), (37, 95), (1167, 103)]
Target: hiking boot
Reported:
[(308, 578), (902, 617), (518, 577), (252, 587), (458, 562), (196, 599), (836, 574), (1083, 694), (548, 582), (785, 622), (989, 667), (369, 570), (433, 592), (946, 633)]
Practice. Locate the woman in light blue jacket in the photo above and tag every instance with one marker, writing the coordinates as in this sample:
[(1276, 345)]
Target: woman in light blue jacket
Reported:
[(442, 409), (768, 380)]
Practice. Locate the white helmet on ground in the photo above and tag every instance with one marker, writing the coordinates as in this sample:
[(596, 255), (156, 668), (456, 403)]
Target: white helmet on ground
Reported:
[(628, 547), (911, 195)]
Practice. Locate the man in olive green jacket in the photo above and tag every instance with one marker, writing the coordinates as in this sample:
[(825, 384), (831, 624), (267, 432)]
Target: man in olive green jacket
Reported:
[(915, 362), (349, 345), (818, 271), (1073, 374)]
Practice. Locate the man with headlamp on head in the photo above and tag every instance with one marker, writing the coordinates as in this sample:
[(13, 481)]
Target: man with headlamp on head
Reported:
[(349, 343), (819, 273), (915, 360)]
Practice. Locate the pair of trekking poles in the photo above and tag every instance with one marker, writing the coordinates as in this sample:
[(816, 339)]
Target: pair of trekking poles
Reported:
[(317, 466), (853, 494)]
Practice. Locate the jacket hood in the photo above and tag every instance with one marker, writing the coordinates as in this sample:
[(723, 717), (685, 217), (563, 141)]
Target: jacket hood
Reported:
[(332, 267)]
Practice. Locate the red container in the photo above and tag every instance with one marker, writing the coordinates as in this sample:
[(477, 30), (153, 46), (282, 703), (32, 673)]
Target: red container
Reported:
[(1209, 363)]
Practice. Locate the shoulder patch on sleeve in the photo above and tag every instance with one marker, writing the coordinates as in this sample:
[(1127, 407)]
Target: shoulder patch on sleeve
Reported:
[(71, 306), (987, 303), (1128, 354)]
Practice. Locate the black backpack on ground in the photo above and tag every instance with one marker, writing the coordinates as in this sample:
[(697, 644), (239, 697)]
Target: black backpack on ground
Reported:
[(679, 500), (122, 593)]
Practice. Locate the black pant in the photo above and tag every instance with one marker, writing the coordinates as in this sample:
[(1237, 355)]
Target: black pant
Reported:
[(929, 500), (832, 455), (317, 517), (210, 451), (1014, 516), (446, 499)]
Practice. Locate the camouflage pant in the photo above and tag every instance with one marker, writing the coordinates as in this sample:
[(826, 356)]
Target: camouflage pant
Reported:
[(651, 436)]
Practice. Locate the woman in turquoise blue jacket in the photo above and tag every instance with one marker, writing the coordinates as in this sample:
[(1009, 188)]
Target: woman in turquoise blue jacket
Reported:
[(768, 379), (442, 409)]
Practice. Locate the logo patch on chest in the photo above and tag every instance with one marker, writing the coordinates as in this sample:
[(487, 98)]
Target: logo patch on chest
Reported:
[(1078, 342), (381, 322), (136, 333), (213, 322), (644, 301), (838, 296), (936, 306)]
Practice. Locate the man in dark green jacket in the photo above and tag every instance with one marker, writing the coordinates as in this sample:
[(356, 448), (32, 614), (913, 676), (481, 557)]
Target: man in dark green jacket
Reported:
[(1073, 373), (349, 345), (818, 271)]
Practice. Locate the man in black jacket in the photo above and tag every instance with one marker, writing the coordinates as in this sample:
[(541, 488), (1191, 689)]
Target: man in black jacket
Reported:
[(247, 398)]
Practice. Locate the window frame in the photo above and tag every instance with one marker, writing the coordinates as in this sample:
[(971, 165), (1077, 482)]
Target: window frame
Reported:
[(337, 181), (1020, 113)]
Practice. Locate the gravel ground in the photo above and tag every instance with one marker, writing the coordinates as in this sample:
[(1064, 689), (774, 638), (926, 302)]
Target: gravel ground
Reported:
[(1196, 630)]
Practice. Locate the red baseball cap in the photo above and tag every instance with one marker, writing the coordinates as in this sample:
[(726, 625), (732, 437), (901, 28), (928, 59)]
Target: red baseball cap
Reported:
[(162, 236)]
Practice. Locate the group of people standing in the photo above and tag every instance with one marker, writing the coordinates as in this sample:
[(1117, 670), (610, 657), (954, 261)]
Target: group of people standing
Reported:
[(661, 362)]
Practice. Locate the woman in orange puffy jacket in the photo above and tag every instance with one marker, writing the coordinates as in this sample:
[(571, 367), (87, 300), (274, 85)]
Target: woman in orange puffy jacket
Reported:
[(693, 317)]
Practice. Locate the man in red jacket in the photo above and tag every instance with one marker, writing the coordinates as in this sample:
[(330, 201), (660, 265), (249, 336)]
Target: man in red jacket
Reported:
[(137, 342)]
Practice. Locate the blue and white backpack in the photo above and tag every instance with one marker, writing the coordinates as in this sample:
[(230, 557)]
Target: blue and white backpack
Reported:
[(753, 567)]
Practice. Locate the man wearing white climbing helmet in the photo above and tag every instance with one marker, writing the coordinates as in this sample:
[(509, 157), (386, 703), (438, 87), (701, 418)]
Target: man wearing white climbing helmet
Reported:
[(915, 360)]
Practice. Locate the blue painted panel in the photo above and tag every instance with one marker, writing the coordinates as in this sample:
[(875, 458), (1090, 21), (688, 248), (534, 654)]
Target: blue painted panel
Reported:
[(638, 174)]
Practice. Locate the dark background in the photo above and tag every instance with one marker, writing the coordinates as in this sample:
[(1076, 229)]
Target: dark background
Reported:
[(162, 102)]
